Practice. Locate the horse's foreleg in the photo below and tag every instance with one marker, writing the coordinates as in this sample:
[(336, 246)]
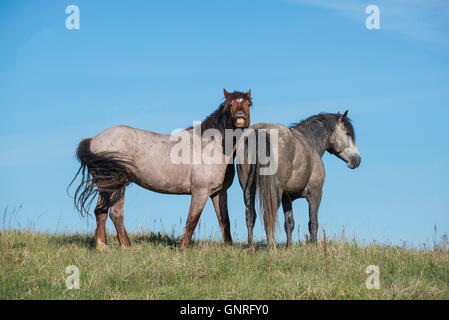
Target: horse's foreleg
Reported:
[(117, 217), (101, 215), (220, 201), (314, 201), (196, 207), (289, 223)]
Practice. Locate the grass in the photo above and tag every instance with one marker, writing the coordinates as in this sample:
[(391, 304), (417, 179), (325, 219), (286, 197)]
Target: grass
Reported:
[(33, 264)]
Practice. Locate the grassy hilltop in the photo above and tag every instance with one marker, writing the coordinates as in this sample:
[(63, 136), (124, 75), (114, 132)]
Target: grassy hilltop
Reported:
[(33, 265)]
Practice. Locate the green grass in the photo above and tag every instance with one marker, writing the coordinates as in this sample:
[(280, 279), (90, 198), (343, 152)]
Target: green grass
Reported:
[(32, 266)]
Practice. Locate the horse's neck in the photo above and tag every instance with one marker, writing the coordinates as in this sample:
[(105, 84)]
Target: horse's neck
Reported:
[(217, 120), (318, 143)]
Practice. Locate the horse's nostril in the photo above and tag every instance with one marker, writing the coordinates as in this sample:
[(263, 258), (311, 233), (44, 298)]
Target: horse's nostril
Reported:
[(355, 162)]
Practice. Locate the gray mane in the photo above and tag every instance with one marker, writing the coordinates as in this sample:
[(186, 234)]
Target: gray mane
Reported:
[(319, 126)]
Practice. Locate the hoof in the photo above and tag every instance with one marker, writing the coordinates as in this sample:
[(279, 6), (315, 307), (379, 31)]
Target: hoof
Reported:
[(123, 242), (101, 245), (184, 245)]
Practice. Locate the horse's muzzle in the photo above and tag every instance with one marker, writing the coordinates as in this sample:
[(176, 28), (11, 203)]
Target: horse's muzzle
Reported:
[(354, 162), (240, 119)]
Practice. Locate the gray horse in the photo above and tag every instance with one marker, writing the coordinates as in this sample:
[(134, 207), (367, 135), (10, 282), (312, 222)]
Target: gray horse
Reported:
[(300, 170), (121, 155)]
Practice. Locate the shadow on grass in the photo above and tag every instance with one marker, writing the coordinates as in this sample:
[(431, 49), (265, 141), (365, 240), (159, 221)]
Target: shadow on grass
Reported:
[(80, 240), (88, 241), (262, 245), (157, 238), (258, 245), (160, 238)]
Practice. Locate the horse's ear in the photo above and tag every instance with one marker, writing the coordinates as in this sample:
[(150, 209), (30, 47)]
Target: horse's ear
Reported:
[(226, 94), (249, 93), (344, 115)]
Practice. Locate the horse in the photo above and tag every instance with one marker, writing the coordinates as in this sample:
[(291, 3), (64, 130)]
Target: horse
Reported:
[(300, 170), (121, 155)]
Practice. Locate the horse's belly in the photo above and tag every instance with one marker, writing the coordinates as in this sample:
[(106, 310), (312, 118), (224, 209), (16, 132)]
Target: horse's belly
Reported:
[(301, 170), (160, 175)]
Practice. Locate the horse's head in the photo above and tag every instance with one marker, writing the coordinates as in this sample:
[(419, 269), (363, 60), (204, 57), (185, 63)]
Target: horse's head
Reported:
[(238, 103), (342, 142)]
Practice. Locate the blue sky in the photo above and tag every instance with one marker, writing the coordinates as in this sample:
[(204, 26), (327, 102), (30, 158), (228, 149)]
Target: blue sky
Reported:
[(160, 65)]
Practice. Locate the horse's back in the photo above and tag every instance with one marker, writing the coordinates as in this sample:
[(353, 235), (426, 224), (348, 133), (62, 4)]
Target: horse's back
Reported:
[(150, 154), (124, 139)]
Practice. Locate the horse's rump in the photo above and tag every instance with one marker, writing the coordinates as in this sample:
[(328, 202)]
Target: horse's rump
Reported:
[(105, 171), (266, 186)]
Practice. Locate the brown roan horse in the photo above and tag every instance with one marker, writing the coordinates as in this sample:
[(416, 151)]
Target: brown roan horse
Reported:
[(121, 155)]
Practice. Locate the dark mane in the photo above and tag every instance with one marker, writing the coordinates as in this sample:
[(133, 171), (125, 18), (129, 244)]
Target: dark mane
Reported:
[(318, 125), (220, 118)]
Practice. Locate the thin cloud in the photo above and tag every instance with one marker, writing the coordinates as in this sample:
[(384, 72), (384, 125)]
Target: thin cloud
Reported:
[(423, 20)]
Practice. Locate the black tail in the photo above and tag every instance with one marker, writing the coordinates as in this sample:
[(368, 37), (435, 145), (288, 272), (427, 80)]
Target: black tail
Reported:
[(266, 185), (105, 171)]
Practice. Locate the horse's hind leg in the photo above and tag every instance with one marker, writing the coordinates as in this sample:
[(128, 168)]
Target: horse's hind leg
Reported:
[(117, 217), (101, 215), (250, 212), (220, 201), (289, 223)]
